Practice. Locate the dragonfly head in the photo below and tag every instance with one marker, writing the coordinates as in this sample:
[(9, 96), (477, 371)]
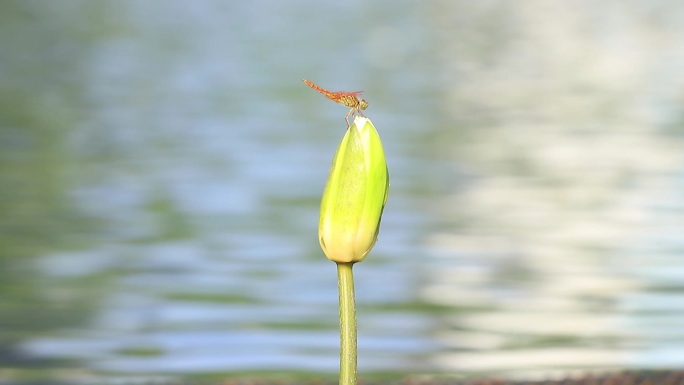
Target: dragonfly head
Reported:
[(363, 104)]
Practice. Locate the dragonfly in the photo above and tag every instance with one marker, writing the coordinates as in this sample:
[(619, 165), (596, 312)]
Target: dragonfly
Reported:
[(349, 99)]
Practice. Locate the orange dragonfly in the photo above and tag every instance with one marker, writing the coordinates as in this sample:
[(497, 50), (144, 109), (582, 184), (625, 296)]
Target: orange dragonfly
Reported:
[(349, 99)]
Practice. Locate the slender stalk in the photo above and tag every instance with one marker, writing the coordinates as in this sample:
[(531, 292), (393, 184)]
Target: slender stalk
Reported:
[(345, 280)]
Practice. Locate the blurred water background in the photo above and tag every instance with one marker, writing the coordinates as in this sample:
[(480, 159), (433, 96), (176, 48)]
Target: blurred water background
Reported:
[(161, 165)]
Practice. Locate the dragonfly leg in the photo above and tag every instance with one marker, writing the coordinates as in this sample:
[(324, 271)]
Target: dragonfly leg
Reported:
[(353, 112), (346, 117)]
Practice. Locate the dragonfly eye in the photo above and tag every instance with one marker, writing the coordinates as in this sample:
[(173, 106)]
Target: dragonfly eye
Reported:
[(363, 104)]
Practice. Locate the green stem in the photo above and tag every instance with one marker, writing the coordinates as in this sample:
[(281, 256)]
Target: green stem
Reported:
[(345, 281)]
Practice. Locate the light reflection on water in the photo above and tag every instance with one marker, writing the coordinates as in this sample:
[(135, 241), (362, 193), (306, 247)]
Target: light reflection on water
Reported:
[(574, 197), (534, 222)]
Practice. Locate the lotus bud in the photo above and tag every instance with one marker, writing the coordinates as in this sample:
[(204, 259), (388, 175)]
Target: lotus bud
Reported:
[(355, 195)]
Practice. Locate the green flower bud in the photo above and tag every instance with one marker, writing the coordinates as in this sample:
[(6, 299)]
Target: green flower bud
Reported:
[(354, 195)]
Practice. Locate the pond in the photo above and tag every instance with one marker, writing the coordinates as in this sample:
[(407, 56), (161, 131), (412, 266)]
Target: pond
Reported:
[(162, 165)]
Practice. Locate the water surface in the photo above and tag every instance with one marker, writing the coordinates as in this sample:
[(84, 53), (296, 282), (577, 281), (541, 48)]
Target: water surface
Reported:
[(162, 164)]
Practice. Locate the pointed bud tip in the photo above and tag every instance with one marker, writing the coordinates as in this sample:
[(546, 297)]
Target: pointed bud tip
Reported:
[(360, 121)]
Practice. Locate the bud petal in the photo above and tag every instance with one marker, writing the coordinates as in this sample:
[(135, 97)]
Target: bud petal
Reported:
[(354, 195)]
